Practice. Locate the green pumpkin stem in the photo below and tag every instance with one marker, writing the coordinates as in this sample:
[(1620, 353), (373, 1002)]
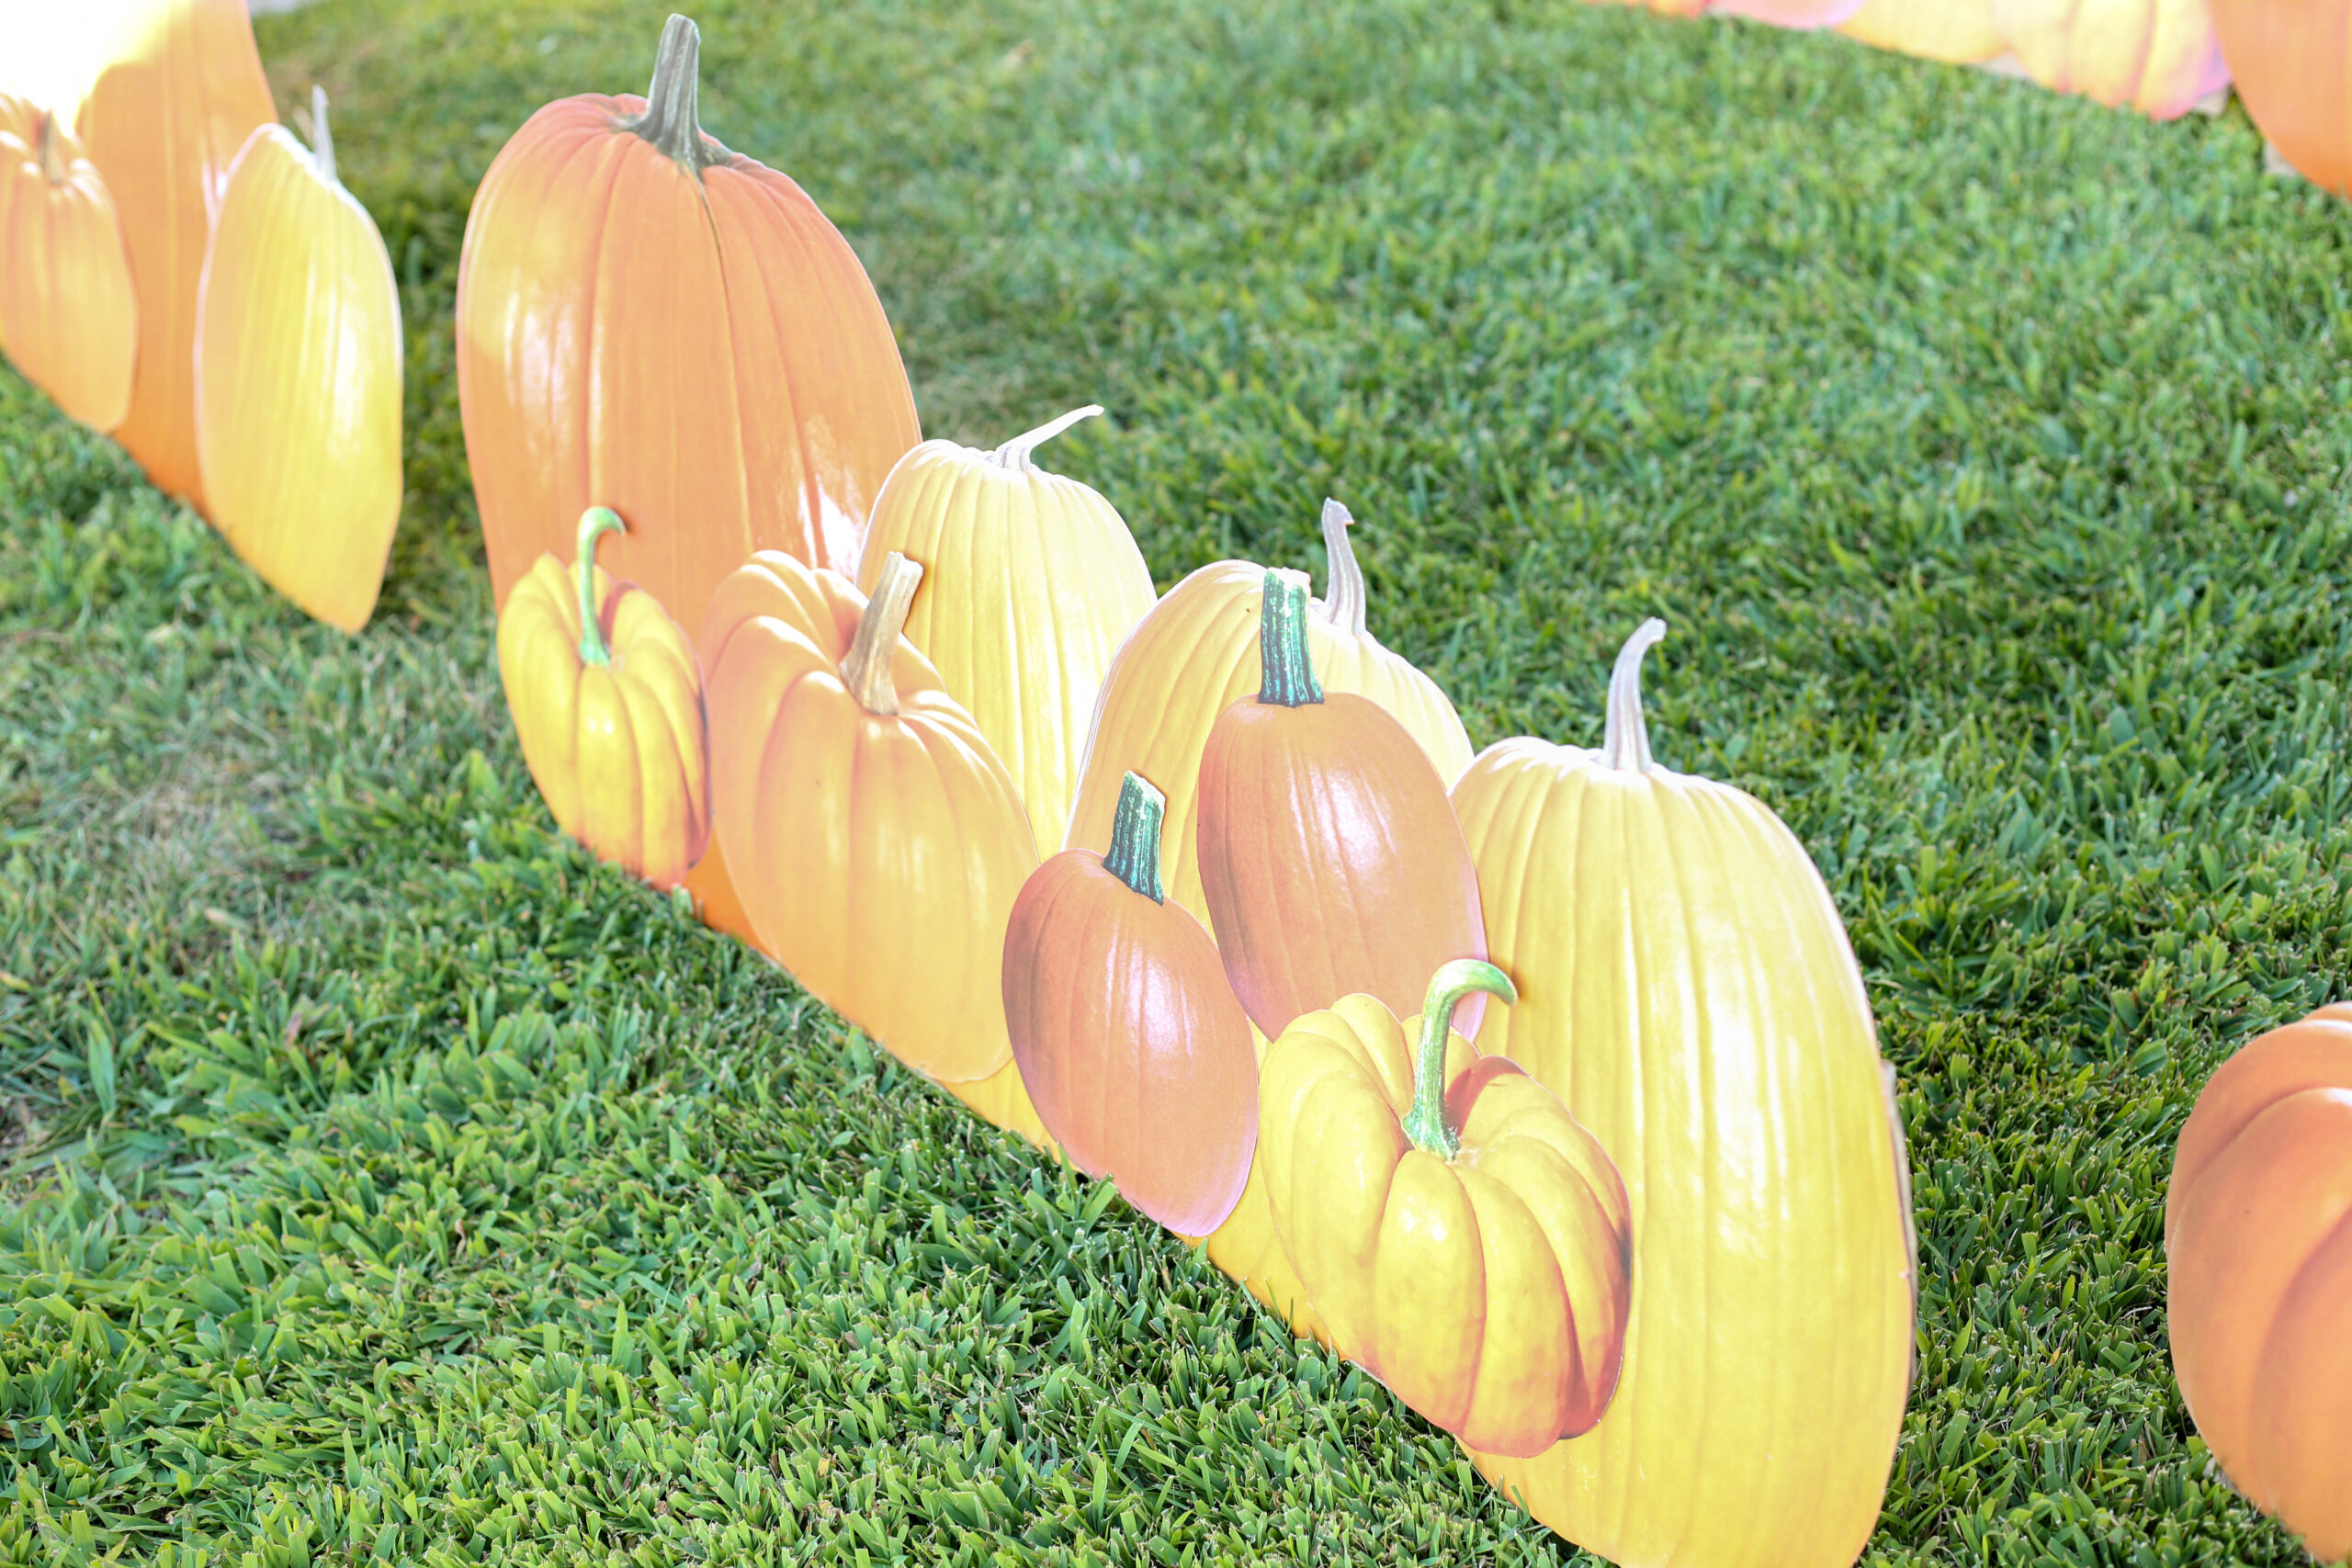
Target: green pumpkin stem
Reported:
[(1426, 1123), (1289, 666), (1344, 595), (1015, 454), (53, 157), (1133, 855), (594, 524), (673, 109), (321, 139), (866, 670), (1625, 742)]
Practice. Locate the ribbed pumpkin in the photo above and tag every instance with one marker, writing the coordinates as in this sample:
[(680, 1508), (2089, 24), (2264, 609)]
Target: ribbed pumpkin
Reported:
[(1248, 1251), (1032, 583), (1192, 658), (1329, 853), (1464, 1239), (1686, 987), (162, 123), (1958, 31), (1351, 659), (298, 376), (2258, 1248), (2156, 56), (1137, 1055), (648, 321), (68, 316), (875, 839), (2291, 61), (607, 695)]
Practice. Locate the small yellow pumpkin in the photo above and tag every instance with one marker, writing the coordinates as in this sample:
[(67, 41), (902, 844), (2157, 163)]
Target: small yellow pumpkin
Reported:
[(68, 315)]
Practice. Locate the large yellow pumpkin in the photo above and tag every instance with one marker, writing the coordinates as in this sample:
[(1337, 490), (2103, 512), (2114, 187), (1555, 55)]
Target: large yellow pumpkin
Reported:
[(1032, 583), (1686, 987), (876, 841), (68, 316), (298, 378)]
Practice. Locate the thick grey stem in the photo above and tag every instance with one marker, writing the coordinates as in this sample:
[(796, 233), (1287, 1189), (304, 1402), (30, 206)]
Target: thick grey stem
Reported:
[(671, 104)]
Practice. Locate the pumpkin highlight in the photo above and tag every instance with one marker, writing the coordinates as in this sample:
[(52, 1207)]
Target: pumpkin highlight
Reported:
[(1139, 1058), (298, 378), (1465, 1240)]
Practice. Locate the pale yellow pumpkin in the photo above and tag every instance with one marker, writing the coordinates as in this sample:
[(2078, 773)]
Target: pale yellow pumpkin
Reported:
[(1030, 582), (1686, 987)]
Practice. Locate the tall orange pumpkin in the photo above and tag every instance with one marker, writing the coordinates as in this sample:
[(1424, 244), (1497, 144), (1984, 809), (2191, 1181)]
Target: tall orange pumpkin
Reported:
[(162, 123), (68, 316), (1330, 856), (2258, 1247), (2291, 61), (648, 321)]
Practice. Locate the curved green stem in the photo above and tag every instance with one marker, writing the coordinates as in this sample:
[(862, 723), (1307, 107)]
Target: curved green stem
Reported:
[(865, 670), (1289, 666), (594, 524), (1625, 742), (1133, 855), (672, 117), (1426, 1123), (1344, 595), (1015, 454), (321, 139)]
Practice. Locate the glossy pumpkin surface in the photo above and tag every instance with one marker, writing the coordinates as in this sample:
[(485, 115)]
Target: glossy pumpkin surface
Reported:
[(1686, 987), (648, 321), (1032, 583), (876, 842), (1463, 1239), (1137, 1055), (298, 383), (607, 694), (68, 319), (163, 122), (1330, 856), (2258, 1248)]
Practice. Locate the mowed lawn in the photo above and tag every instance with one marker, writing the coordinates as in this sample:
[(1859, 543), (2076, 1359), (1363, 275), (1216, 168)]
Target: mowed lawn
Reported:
[(388, 1182)]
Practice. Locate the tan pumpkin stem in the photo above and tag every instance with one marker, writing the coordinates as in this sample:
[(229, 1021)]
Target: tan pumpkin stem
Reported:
[(53, 157), (866, 668), (1625, 742), (1425, 1123), (1343, 594), (321, 139), (673, 104), (1015, 454)]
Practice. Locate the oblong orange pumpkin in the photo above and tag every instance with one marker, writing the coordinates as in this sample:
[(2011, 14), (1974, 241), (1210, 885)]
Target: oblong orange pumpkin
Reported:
[(1137, 1055), (607, 695), (2258, 1247), (162, 123), (649, 321), (68, 316), (2291, 61), (876, 841), (298, 376), (1467, 1242), (1330, 856)]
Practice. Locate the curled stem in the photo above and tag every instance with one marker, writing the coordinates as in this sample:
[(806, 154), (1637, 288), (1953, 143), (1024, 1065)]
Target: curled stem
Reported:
[(866, 670), (594, 524), (1015, 454), (1425, 1124), (1343, 594), (1625, 742)]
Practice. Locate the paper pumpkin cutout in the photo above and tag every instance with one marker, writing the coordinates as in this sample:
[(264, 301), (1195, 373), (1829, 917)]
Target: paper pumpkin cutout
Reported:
[(1350, 658), (1033, 583), (2291, 61), (298, 376), (1248, 1250), (69, 318), (876, 841), (162, 123), (1465, 1240), (1959, 33), (1329, 857), (2259, 1251), (607, 694), (2156, 56), (1687, 990), (1136, 1053)]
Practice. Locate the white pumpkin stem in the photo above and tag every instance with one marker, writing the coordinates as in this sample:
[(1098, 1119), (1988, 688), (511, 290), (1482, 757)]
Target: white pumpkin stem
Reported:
[(52, 158), (1343, 594), (866, 669), (672, 120), (1625, 743), (1015, 454), (321, 139)]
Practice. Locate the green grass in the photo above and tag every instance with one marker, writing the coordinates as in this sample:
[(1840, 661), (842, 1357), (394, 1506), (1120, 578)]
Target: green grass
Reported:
[(391, 1181)]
